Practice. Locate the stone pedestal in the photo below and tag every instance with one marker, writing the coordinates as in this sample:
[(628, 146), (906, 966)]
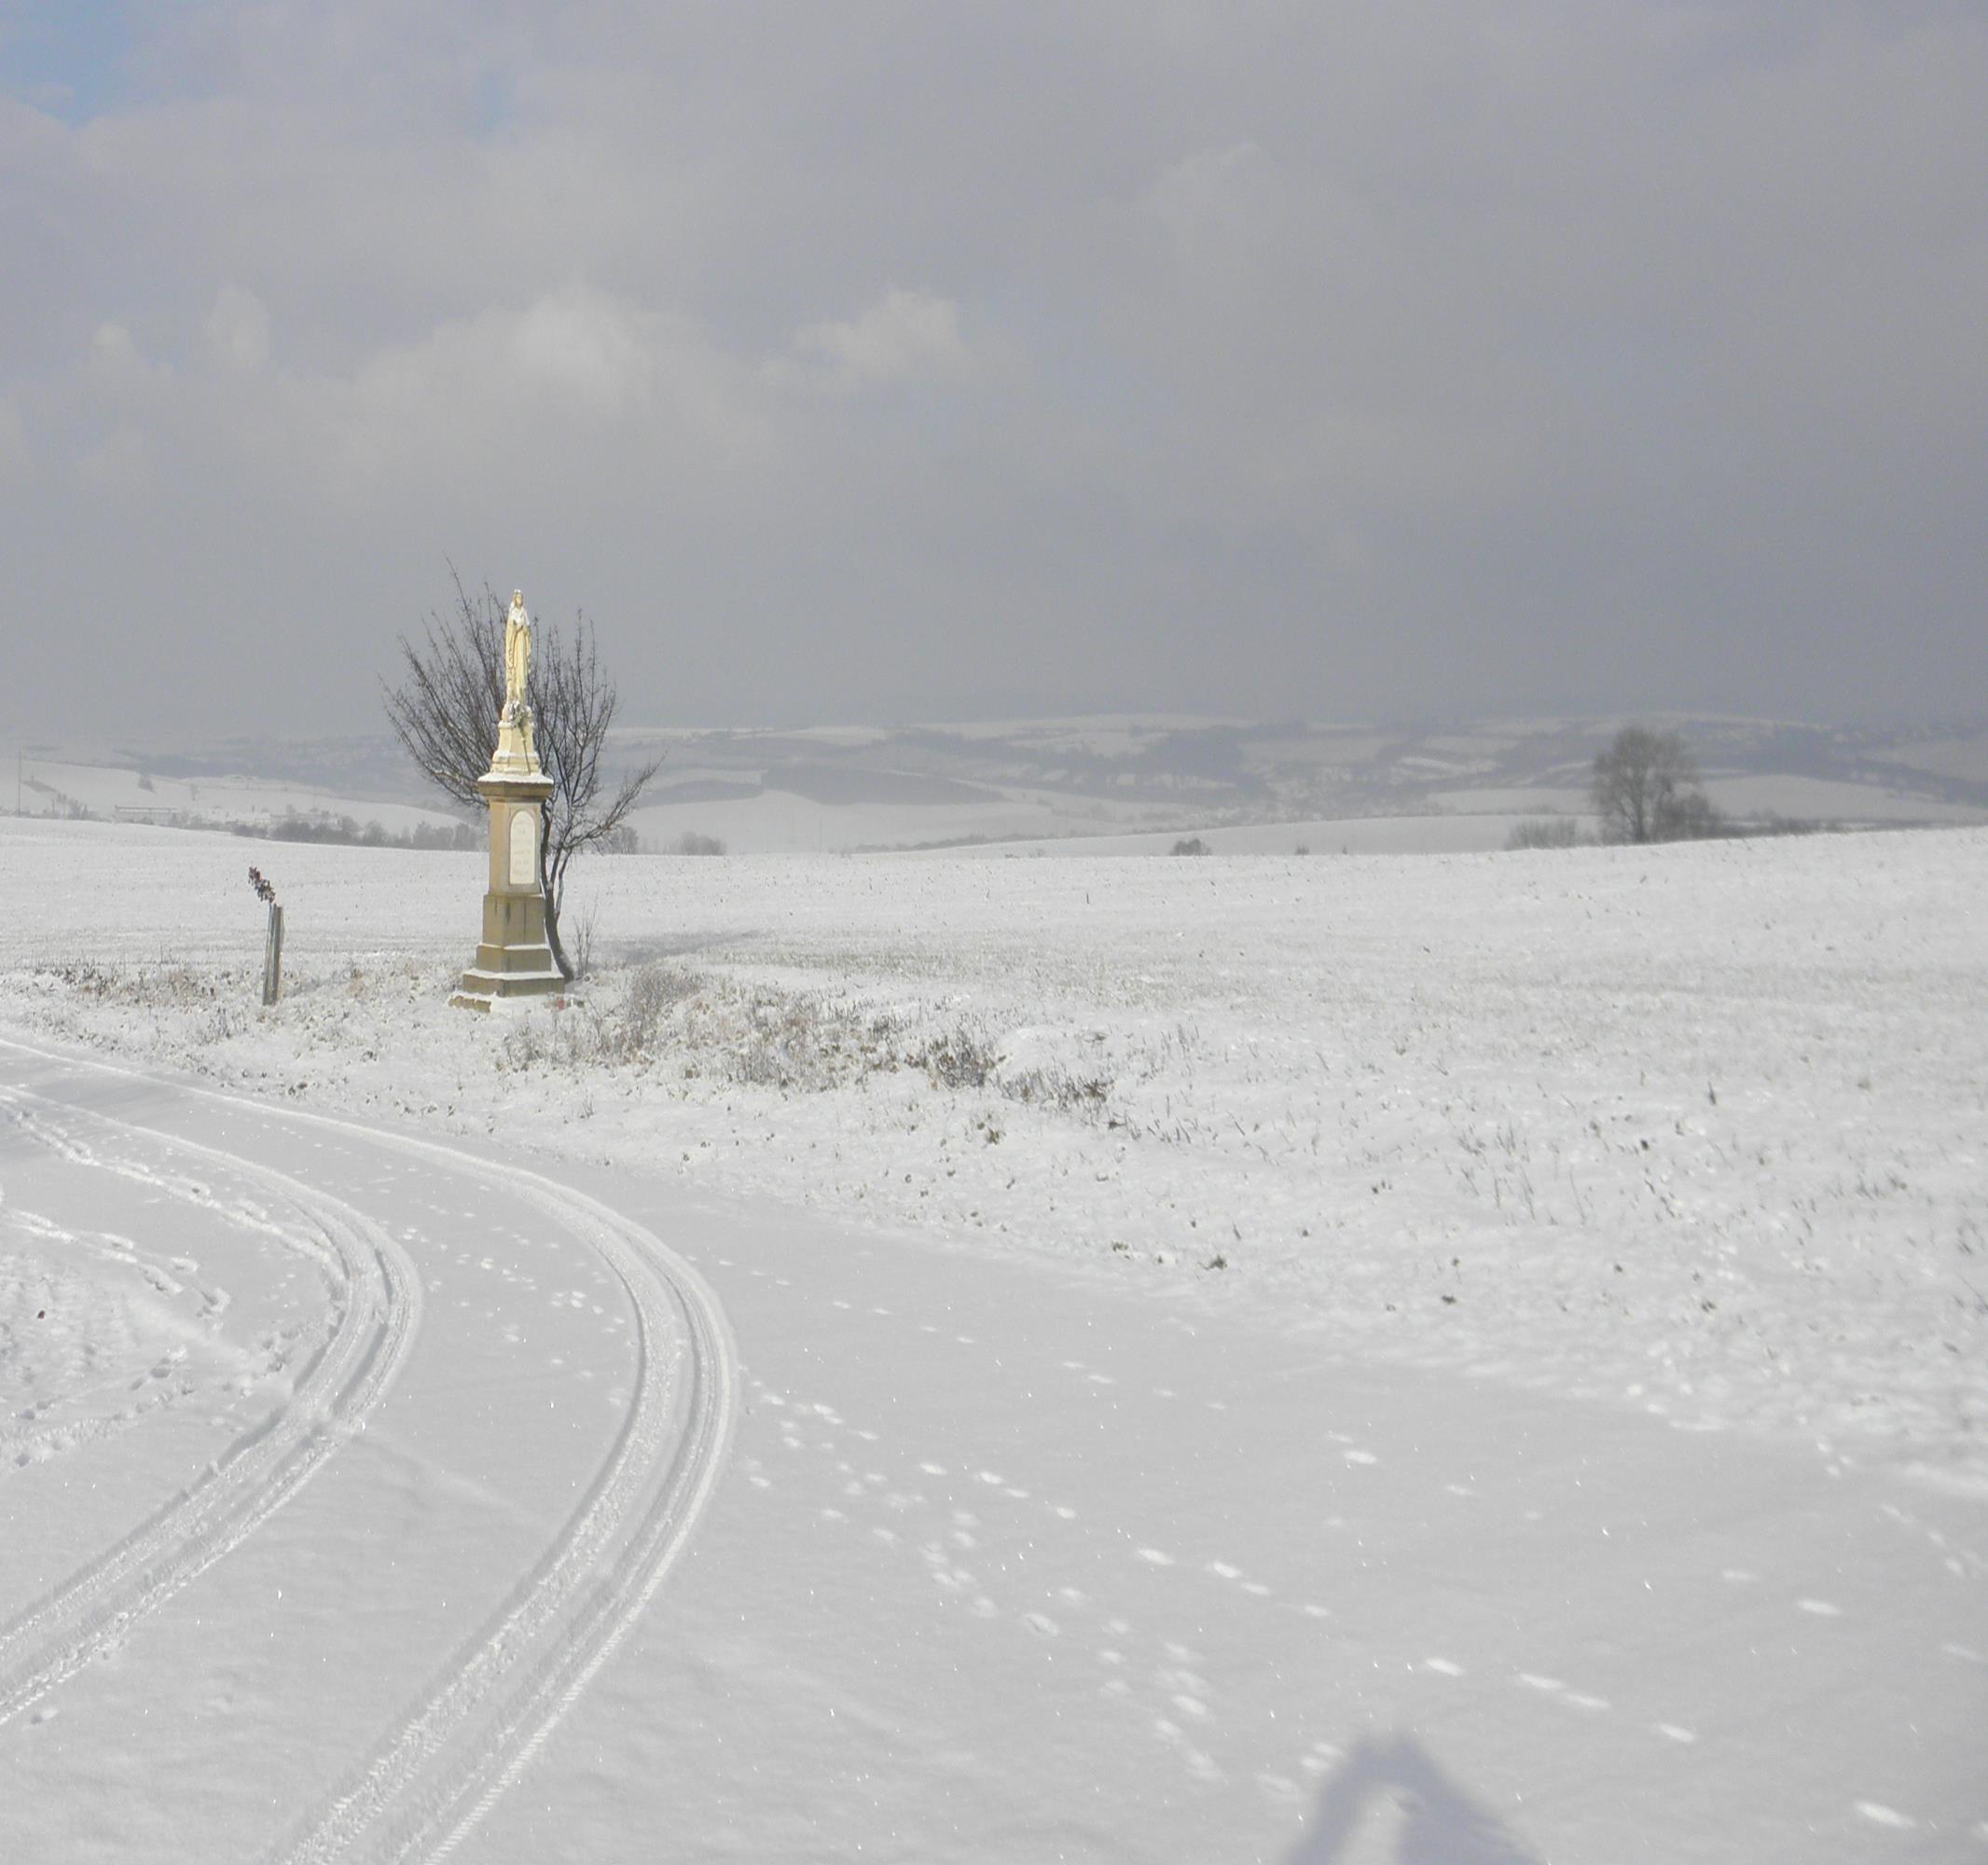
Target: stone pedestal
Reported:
[(513, 958)]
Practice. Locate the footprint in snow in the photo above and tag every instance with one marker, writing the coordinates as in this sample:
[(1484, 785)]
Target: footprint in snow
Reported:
[(1362, 1456), (1878, 1814), (1442, 1666), (1822, 1609), (1319, 1756)]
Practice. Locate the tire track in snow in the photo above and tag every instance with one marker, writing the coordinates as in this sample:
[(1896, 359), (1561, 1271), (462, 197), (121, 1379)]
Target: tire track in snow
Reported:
[(491, 1706), (377, 1313)]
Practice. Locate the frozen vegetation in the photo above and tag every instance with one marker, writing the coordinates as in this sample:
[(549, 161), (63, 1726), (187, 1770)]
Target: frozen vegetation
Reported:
[(1141, 1270)]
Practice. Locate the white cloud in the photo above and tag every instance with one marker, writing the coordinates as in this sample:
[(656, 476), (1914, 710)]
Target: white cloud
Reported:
[(574, 377), (238, 329), (904, 335), (1219, 199), (113, 358)]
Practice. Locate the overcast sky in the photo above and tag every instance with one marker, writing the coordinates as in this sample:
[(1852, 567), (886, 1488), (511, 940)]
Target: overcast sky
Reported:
[(882, 360)]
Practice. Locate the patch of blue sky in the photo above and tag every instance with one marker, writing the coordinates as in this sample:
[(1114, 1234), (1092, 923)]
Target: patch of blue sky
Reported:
[(493, 107), (70, 59)]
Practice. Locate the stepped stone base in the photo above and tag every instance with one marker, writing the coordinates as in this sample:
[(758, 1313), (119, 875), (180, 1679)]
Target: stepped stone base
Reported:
[(514, 958)]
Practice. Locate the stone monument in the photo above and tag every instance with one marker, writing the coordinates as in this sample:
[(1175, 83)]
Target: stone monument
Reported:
[(513, 960)]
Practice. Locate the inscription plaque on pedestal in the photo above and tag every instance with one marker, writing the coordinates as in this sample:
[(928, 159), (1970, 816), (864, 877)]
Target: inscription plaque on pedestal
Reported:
[(524, 849)]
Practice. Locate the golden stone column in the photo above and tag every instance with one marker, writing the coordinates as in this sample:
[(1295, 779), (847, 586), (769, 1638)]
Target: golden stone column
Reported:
[(513, 958)]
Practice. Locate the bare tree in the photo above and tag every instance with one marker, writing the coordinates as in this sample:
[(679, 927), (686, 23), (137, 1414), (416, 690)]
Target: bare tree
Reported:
[(445, 713), (573, 704), (1644, 788)]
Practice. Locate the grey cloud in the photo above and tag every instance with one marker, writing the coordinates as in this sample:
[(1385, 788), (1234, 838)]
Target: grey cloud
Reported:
[(1263, 358)]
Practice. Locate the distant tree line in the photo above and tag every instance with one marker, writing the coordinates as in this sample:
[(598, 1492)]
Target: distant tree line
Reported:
[(346, 832)]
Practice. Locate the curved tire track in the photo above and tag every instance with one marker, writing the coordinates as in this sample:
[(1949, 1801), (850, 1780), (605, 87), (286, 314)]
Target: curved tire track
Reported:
[(487, 1710), (489, 1707), (377, 1315)]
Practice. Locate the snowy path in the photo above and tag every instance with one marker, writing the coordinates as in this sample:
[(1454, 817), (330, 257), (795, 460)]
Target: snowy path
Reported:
[(1018, 1567), (479, 1543), (1010, 1563)]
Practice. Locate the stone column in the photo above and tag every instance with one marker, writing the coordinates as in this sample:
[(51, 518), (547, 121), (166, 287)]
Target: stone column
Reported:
[(513, 958)]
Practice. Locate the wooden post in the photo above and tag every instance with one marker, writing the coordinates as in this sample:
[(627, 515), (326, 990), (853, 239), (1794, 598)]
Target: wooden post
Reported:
[(272, 956)]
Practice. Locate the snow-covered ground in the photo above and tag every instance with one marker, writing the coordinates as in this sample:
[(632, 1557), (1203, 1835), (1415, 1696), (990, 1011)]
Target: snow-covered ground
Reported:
[(1451, 1358)]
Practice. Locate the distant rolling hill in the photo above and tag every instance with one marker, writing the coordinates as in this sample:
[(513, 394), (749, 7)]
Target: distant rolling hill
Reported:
[(1117, 783)]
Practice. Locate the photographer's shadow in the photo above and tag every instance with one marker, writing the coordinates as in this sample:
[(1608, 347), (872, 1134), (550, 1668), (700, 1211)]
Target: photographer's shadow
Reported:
[(1439, 1824)]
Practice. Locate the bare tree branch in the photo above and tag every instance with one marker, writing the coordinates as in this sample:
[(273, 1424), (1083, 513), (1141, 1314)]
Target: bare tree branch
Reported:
[(445, 712), (574, 704)]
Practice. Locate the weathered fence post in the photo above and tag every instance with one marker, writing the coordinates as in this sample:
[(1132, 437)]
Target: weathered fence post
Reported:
[(272, 951), (272, 956)]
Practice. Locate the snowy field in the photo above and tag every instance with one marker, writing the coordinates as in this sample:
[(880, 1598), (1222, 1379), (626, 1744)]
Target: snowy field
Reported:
[(1429, 1358), (52, 787)]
